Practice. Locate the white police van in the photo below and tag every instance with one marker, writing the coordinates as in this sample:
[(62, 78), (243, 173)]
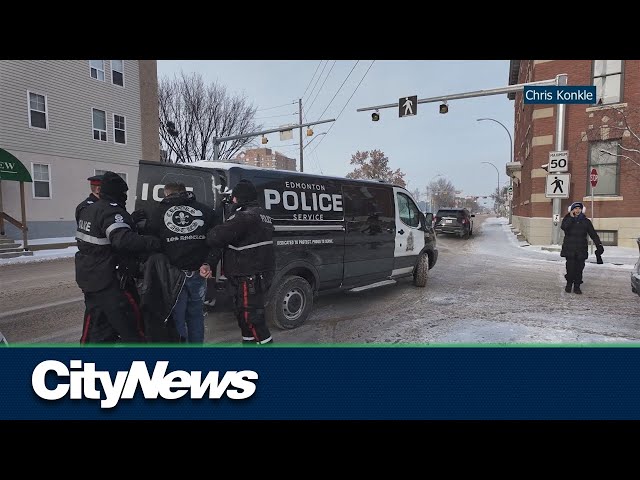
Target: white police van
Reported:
[(330, 233)]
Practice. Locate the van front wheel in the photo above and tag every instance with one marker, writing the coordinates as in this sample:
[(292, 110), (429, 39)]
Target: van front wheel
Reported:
[(421, 272), (291, 303)]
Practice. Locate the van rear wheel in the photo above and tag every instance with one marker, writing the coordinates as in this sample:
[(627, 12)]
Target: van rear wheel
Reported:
[(421, 272), (291, 303)]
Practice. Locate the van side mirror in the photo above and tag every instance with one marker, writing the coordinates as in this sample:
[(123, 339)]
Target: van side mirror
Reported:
[(473, 215), (428, 218), (423, 221)]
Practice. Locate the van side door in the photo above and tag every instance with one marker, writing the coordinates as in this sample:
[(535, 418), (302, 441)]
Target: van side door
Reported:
[(369, 234), (409, 240)]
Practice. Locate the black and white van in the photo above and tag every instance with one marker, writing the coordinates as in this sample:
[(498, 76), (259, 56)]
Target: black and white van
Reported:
[(330, 233)]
